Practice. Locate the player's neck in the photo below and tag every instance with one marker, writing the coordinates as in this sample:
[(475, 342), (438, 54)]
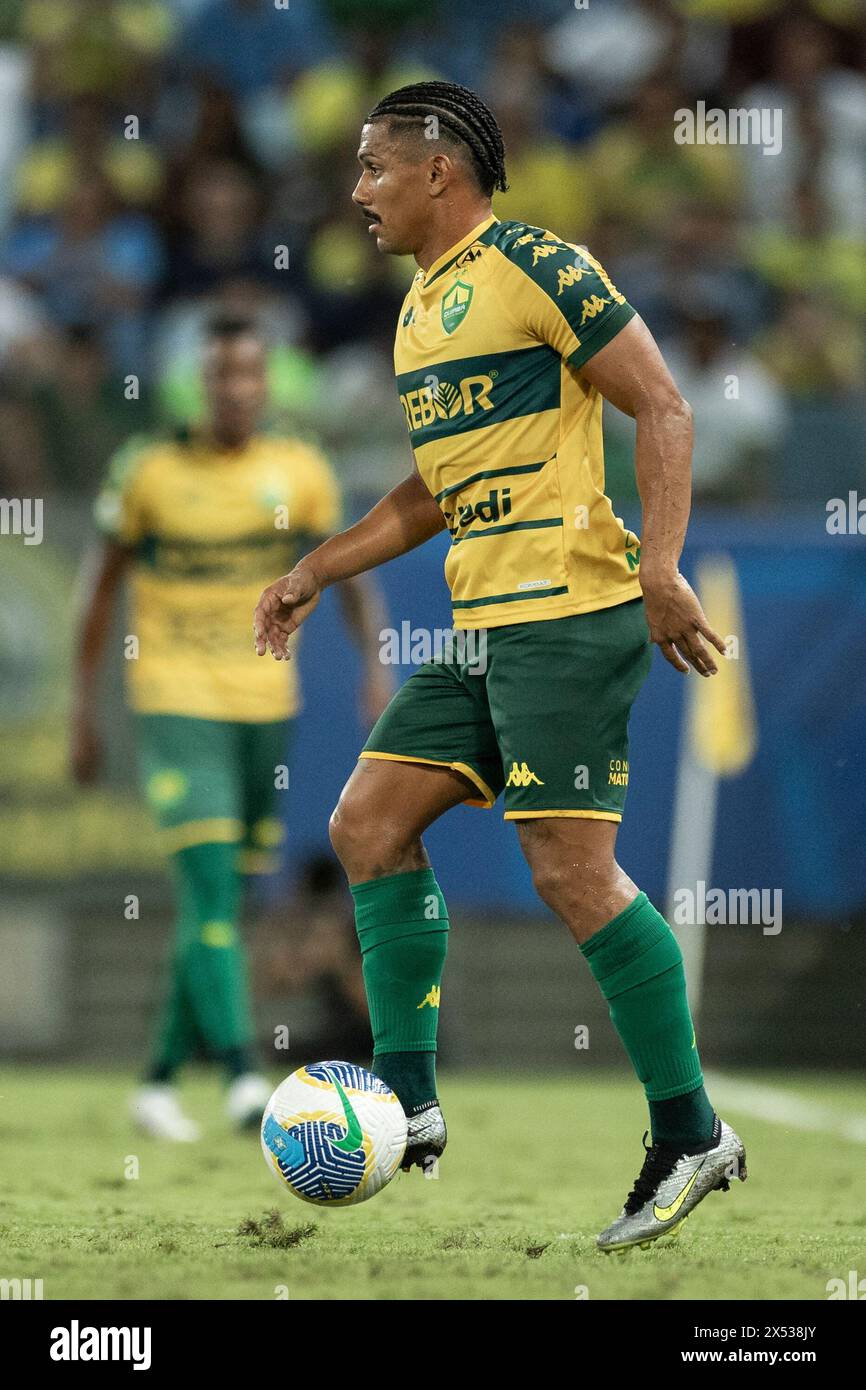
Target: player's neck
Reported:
[(225, 441), (450, 228)]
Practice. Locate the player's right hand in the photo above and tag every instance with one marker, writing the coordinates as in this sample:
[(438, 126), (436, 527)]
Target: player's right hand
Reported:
[(85, 752), (282, 608)]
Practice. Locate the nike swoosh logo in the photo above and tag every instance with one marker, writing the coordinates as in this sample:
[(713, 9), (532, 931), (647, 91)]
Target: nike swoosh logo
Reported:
[(665, 1213), (354, 1136)]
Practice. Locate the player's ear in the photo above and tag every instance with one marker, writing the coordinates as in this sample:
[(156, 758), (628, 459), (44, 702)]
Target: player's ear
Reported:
[(439, 172)]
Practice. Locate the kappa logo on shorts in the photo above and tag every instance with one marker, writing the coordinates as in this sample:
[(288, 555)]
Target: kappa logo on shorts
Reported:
[(521, 776), (167, 786)]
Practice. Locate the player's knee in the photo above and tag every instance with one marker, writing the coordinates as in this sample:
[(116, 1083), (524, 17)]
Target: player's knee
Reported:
[(366, 840), (553, 881), (340, 830), (568, 887)]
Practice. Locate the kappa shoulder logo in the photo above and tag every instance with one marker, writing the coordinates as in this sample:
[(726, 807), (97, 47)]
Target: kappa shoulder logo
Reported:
[(585, 264), (542, 249), (521, 776), (455, 305), (568, 275), (592, 307)]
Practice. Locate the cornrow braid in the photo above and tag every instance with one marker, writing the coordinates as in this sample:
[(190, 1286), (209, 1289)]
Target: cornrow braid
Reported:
[(462, 113)]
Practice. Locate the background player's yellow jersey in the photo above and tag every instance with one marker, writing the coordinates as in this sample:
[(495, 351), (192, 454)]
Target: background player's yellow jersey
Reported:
[(506, 433), (209, 529)]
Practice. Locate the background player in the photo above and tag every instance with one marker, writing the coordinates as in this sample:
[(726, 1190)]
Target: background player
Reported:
[(199, 522)]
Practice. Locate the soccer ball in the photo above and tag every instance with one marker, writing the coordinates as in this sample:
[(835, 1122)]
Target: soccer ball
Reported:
[(333, 1134)]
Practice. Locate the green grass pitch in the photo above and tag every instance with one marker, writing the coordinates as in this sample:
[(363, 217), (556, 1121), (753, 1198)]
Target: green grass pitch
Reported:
[(533, 1170)]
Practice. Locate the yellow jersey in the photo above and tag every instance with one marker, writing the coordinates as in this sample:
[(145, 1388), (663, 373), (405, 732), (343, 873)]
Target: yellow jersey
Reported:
[(506, 432), (209, 529)]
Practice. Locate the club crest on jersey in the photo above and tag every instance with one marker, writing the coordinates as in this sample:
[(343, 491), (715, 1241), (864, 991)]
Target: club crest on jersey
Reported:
[(455, 305)]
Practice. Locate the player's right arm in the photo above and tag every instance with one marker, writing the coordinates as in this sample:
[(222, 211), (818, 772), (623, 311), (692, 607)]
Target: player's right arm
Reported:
[(119, 515), (404, 519), (101, 577)]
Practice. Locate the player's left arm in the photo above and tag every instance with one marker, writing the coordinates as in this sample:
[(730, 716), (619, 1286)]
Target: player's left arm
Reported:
[(359, 595), (631, 373), (574, 307)]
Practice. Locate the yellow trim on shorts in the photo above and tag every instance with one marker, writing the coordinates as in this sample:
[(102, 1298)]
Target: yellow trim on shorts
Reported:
[(489, 797), (583, 815), (219, 831)]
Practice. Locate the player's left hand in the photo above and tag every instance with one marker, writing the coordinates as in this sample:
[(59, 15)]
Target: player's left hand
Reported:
[(677, 623), (282, 608)]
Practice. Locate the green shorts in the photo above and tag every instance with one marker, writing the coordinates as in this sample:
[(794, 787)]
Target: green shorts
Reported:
[(216, 781), (541, 711)]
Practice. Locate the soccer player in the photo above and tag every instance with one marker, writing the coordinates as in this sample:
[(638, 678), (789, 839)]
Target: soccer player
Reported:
[(199, 523), (507, 342)]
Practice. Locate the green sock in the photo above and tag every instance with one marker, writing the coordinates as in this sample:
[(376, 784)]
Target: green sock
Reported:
[(209, 997), (684, 1119), (402, 925), (176, 1031), (638, 966), (411, 1076)]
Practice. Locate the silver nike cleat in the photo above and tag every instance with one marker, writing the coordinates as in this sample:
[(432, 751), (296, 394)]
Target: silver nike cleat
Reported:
[(426, 1139), (670, 1185)]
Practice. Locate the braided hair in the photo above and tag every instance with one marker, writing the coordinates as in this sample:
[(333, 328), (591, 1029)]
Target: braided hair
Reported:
[(461, 116)]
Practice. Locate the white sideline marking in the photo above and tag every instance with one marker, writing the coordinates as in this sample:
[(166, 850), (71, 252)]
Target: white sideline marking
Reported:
[(781, 1108)]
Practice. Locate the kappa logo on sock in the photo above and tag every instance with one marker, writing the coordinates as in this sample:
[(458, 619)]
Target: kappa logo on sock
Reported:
[(220, 934), (431, 998)]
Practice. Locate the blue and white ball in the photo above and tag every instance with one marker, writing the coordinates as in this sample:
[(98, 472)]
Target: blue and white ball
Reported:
[(333, 1134)]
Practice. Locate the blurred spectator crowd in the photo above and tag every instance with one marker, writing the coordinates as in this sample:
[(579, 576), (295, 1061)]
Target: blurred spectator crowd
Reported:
[(161, 159)]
